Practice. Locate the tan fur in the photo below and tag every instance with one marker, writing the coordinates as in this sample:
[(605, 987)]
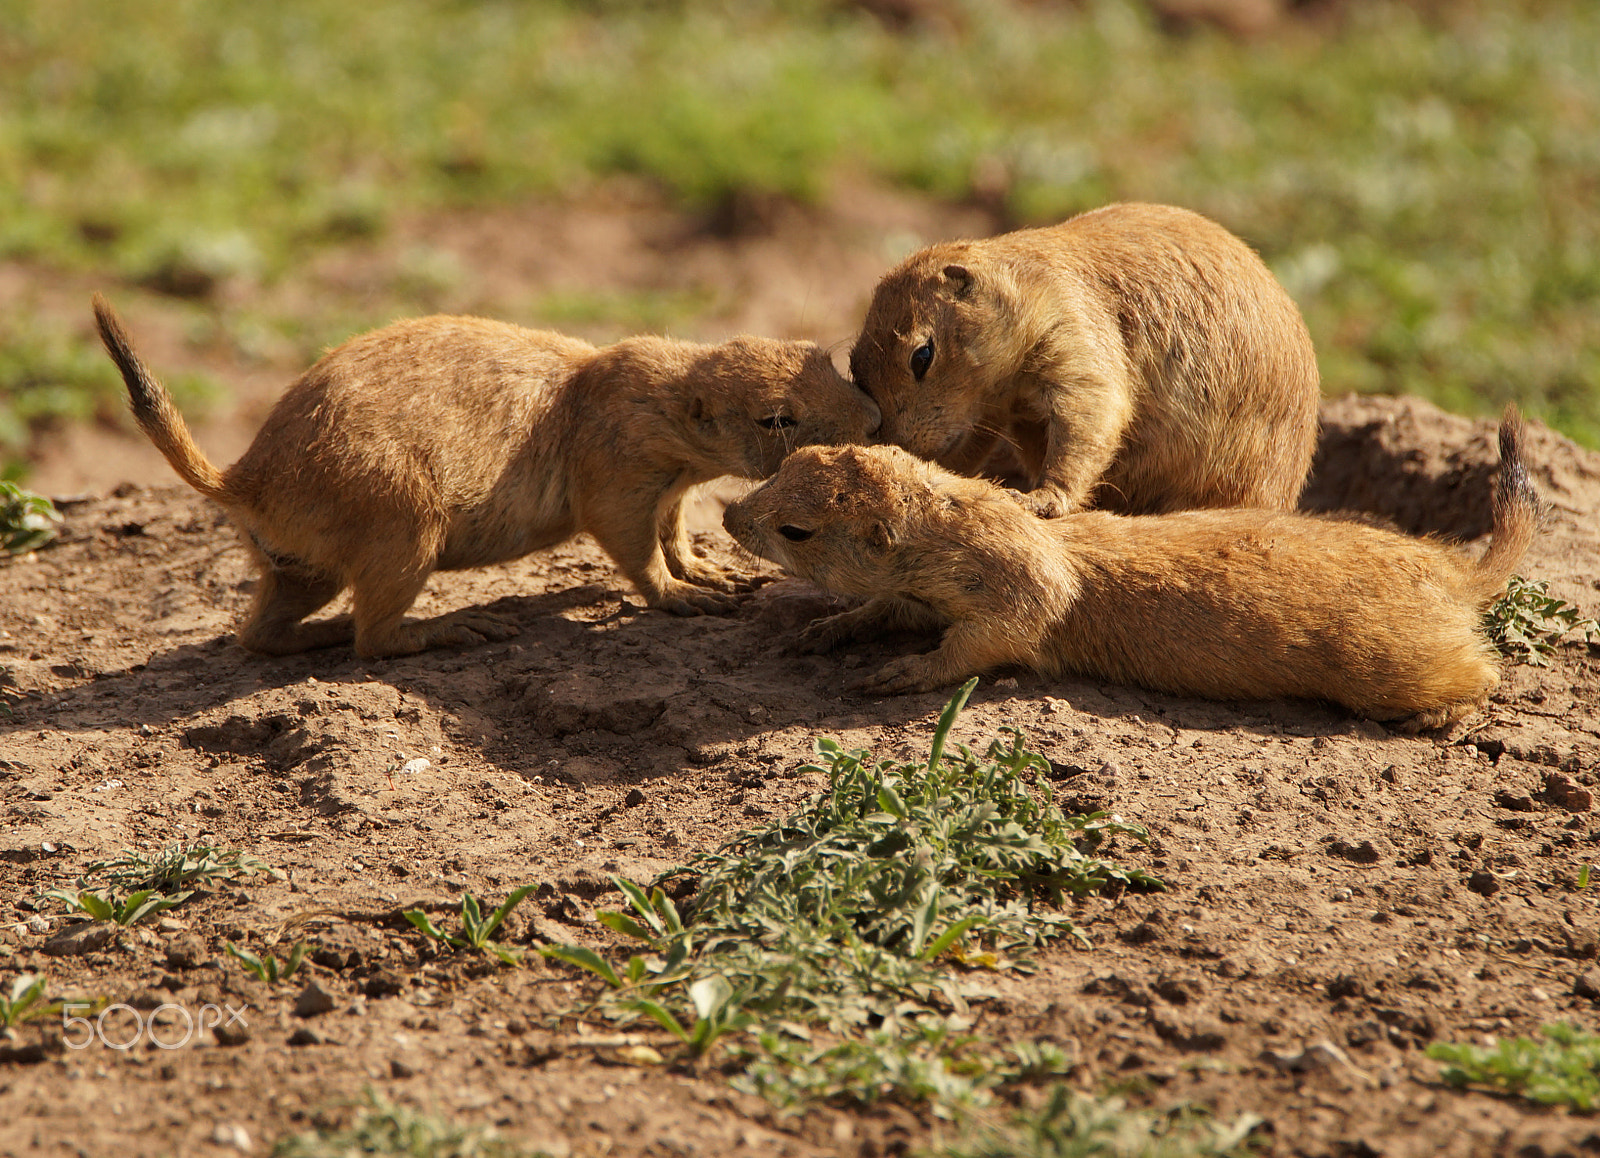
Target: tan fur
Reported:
[(1227, 604), (448, 442), (1137, 358)]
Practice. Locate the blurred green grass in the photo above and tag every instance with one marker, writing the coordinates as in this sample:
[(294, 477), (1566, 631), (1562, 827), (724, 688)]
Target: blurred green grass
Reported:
[(1423, 180)]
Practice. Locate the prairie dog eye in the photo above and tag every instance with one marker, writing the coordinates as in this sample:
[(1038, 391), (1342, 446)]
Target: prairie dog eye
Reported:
[(795, 534), (921, 359), (777, 422)]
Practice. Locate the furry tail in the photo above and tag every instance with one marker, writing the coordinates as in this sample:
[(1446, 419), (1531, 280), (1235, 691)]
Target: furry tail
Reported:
[(153, 407), (1518, 512)]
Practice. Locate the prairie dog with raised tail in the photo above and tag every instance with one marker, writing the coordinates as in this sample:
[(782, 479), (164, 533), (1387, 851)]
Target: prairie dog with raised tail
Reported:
[(442, 443), (1224, 604)]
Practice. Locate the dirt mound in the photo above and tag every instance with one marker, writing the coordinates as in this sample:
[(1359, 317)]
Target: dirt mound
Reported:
[(1331, 882)]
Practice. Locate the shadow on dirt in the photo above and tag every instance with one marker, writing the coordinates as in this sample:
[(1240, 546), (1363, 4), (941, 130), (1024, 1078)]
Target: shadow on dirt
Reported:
[(1377, 464)]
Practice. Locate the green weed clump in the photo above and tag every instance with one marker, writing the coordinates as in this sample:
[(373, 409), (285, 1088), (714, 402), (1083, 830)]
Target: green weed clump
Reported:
[(896, 866), (178, 866), (1561, 1070), (103, 905), (156, 883), (26, 1002), (931, 1061), (384, 1130), (833, 951), (27, 521), (1070, 1125), (1527, 623), (860, 900)]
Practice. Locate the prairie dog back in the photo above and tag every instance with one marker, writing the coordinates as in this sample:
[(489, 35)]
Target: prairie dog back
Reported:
[(449, 442), (1136, 358), (1229, 604)]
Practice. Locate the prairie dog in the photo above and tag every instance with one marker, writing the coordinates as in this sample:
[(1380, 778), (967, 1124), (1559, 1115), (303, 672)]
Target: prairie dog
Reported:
[(441, 443), (1226, 604), (1136, 358)]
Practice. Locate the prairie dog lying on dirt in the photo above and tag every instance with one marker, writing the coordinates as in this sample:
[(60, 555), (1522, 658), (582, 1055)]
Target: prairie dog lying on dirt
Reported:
[(1228, 604), (448, 442), (1136, 358)]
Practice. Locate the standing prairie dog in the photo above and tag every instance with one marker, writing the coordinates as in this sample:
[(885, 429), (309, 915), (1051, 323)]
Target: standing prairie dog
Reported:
[(448, 442), (1227, 604), (1136, 358)]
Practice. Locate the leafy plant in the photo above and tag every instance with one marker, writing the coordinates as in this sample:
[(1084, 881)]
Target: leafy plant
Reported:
[(852, 911), (159, 882), (718, 1010), (898, 866), (178, 866), (26, 1001), (27, 521), (1563, 1069), (104, 906), (1070, 1125), (933, 1060), (385, 1130), (641, 976), (265, 966), (1527, 622), (477, 929), (637, 988)]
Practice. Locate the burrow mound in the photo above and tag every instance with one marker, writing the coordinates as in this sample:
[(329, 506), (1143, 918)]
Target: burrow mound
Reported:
[(1431, 472)]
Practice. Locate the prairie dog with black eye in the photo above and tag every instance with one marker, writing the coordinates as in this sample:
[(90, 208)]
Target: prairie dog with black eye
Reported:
[(441, 443), (1136, 358), (1225, 604)]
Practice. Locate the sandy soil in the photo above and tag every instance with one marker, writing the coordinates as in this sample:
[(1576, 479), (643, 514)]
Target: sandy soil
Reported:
[(1331, 881)]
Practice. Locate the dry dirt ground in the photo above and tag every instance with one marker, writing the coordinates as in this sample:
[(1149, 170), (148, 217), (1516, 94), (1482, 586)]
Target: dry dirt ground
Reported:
[(1330, 881)]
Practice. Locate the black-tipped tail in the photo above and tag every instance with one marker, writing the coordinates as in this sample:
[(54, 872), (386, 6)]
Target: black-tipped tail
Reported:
[(1518, 511), (153, 408)]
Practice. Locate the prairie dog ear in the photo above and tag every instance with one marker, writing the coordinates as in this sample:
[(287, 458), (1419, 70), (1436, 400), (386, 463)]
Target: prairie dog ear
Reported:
[(699, 412), (960, 279), (880, 537)]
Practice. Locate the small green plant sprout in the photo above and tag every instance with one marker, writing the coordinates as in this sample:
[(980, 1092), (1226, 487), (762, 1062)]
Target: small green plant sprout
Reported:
[(637, 988), (27, 521), (384, 1130), (104, 905), (477, 929), (177, 867), (1583, 875), (661, 927), (1527, 623), (718, 1010), (26, 1002), (265, 967), (1561, 1070)]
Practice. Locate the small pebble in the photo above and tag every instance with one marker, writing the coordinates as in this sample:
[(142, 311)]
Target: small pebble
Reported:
[(313, 1000), (227, 1134)]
